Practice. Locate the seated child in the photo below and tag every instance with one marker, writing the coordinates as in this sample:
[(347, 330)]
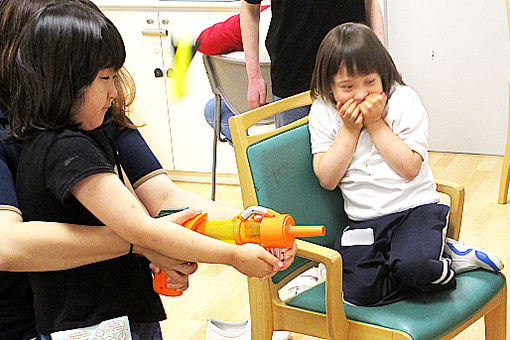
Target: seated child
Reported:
[(369, 136)]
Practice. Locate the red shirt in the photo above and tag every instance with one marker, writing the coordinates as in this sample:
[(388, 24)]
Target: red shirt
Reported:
[(223, 37)]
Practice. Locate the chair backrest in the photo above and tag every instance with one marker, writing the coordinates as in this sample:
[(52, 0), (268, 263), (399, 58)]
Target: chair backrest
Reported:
[(283, 178), (277, 168), (228, 79)]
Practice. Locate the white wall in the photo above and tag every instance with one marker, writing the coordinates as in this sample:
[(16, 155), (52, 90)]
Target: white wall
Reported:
[(454, 53)]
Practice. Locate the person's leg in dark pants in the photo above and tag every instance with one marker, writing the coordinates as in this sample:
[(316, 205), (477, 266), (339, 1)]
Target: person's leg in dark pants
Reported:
[(416, 252), (367, 278), (145, 331)]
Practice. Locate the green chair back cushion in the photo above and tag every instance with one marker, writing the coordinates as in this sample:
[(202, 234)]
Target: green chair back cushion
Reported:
[(283, 177)]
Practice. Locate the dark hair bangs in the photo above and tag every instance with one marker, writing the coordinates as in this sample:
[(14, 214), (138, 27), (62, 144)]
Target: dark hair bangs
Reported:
[(112, 49), (357, 48), (101, 47), (359, 61), (59, 53)]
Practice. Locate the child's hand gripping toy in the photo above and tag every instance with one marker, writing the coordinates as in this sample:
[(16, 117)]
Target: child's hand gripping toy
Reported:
[(272, 231)]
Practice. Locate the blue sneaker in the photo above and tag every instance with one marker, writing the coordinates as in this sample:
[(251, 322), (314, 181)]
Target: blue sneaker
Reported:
[(466, 258)]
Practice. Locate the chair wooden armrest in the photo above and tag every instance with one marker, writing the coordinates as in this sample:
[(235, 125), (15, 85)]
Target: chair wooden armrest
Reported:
[(456, 194), (333, 263), (333, 285)]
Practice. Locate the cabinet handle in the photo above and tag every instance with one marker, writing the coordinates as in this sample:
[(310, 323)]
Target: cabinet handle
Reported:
[(155, 33), (165, 21)]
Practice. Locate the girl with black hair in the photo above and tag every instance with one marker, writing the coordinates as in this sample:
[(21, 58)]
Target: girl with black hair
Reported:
[(67, 60)]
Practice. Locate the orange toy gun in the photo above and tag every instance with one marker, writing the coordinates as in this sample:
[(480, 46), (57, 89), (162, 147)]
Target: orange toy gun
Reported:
[(273, 231)]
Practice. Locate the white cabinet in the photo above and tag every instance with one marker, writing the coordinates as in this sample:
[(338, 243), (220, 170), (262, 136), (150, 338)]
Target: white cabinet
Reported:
[(454, 53), (175, 129), (191, 135), (144, 55)]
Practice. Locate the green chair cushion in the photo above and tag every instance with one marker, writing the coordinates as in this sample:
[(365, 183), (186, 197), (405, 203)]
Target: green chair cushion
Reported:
[(424, 317), (298, 262)]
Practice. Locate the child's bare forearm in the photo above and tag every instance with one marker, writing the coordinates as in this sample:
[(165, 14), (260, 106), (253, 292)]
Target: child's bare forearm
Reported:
[(330, 166)]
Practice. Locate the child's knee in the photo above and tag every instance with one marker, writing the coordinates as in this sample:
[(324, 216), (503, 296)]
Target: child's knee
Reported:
[(418, 271)]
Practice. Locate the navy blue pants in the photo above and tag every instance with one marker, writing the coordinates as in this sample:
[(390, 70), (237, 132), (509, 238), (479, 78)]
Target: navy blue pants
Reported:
[(389, 258)]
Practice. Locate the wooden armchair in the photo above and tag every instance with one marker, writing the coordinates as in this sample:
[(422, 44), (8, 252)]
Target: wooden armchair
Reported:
[(275, 170)]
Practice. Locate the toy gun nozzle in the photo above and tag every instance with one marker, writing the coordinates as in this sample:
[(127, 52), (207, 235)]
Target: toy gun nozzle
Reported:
[(307, 230)]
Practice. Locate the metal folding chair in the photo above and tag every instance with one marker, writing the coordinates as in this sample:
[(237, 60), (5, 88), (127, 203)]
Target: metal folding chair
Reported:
[(229, 82)]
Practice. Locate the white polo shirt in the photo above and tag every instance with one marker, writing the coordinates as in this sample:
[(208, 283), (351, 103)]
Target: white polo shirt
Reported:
[(370, 187)]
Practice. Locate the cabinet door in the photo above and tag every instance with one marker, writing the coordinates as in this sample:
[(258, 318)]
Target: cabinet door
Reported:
[(454, 53), (191, 136), (144, 56)]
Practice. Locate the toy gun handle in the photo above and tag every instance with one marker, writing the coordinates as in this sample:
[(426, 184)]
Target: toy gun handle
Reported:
[(159, 285), (159, 282)]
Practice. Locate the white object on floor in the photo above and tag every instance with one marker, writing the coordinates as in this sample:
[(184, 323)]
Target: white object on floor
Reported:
[(224, 330), (306, 280)]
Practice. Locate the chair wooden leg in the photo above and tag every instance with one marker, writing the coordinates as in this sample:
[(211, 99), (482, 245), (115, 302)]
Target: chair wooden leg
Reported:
[(495, 321), (260, 310), (505, 171), (505, 175)]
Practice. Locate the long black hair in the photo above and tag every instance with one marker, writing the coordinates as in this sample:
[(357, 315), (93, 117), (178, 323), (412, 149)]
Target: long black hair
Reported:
[(57, 55), (13, 17), (356, 47)]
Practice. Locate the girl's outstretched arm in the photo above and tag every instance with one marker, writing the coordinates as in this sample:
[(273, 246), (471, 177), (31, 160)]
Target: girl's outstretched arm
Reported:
[(112, 203), (160, 192)]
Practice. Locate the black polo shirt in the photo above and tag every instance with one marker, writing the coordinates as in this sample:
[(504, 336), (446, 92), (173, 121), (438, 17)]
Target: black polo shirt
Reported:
[(50, 165)]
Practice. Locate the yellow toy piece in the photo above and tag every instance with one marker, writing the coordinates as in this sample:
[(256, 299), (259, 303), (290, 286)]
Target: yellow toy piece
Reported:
[(178, 79)]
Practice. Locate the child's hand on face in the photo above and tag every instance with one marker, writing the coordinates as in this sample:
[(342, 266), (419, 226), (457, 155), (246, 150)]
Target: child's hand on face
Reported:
[(350, 114), (372, 108)]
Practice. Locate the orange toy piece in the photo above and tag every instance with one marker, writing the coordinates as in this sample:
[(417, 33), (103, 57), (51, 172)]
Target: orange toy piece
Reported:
[(272, 231)]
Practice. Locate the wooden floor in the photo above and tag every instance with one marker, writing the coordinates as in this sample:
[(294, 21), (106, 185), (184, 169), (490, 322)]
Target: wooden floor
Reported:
[(221, 293)]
